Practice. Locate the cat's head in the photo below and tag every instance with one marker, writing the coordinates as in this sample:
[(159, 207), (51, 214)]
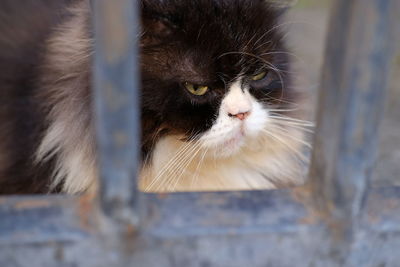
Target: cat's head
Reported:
[(215, 72)]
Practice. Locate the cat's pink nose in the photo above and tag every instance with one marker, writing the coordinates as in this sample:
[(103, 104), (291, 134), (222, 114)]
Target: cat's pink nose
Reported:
[(241, 116)]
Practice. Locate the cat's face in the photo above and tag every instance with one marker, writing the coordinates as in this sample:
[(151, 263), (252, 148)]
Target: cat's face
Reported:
[(213, 72)]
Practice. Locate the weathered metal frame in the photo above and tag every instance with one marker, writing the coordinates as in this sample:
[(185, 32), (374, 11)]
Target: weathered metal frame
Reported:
[(335, 220)]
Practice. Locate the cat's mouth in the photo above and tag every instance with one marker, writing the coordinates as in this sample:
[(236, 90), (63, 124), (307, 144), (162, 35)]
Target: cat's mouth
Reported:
[(236, 139), (233, 143)]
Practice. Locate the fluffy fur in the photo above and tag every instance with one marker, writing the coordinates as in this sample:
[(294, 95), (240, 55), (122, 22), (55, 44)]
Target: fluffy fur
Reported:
[(239, 135), (231, 155)]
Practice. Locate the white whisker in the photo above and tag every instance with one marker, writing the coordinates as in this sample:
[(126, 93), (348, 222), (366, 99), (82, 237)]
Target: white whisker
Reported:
[(172, 169), (286, 118), (178, 155), (183, 166), (286, 133), (296, 151), (291, 125), (176, 166)]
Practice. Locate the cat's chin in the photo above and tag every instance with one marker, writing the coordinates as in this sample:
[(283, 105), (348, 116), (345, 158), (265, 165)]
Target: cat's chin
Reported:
[(232, 145)]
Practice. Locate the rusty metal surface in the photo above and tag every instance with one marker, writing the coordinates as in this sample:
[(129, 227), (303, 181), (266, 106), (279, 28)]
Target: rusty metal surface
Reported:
[(211, 251), (116, 82), (270, 228), (277, 211), (222, 213), (57, 218), (26, 220), (354, 81)]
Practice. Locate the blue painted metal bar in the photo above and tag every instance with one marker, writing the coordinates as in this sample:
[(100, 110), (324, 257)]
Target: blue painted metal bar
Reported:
[(354, 81), (40, 220), (116, 79)]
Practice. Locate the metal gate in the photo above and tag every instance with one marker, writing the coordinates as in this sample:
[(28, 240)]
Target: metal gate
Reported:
[(335, 220)]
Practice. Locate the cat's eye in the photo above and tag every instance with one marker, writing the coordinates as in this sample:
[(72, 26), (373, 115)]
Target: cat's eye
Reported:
[(259, 76), (266, 81), (196, 89)]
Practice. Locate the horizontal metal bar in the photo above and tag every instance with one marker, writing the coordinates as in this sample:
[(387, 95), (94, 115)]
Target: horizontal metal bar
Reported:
[(258, 229), (277, 211), (258, 250), (188, 214), (116, 79), (382, 210), (40, 219), (58, 218)]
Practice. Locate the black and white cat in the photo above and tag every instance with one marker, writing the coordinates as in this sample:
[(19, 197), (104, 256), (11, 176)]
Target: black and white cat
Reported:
[(218, 107)]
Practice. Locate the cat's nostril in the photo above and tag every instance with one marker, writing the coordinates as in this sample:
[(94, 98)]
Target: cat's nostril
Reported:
[(241, 115)]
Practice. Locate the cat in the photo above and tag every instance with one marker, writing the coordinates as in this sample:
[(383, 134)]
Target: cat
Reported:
[(218, 107)]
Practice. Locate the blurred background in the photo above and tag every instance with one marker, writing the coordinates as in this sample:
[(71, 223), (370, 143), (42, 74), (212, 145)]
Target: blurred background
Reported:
[(307, 23)]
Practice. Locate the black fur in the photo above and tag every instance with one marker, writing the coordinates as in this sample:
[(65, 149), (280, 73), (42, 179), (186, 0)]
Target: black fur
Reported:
[(206, 42)]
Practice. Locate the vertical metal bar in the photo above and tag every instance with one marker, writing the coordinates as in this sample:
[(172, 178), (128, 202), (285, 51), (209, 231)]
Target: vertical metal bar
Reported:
[(354, 81), (116, 104)]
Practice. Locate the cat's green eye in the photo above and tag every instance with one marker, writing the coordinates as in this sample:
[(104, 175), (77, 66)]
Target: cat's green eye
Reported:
[(259, 76), (196, 89)]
